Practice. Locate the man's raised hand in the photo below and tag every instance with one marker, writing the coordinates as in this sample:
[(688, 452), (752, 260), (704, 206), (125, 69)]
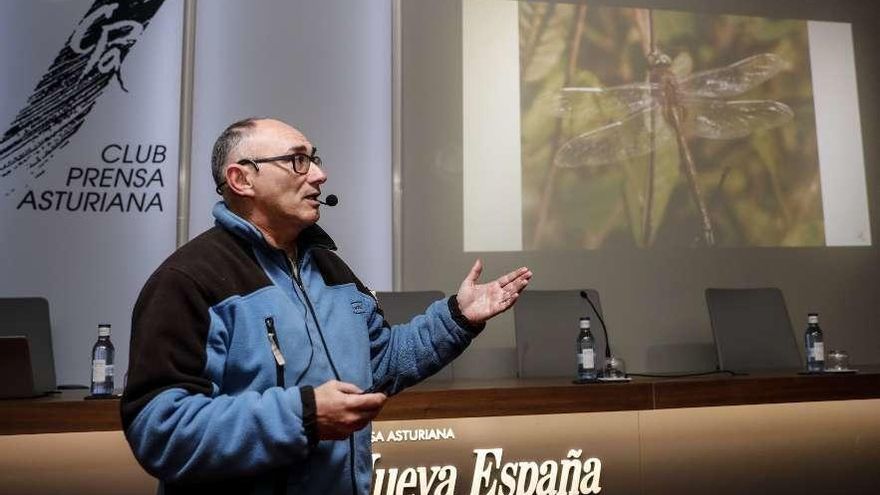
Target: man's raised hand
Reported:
[(479, 302)]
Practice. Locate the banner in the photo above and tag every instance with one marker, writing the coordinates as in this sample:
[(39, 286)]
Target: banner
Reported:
[(88, 162)]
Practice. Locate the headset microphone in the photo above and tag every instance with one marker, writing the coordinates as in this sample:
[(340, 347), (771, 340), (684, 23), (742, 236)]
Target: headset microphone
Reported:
[(331, 200)]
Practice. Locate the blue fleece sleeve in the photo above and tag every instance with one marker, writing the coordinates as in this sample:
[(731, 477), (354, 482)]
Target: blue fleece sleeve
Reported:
[(411, 352), (179, 436)]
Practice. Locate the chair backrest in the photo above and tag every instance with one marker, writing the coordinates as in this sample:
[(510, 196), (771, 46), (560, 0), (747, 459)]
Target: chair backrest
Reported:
[(15, 368), (29, 317), (752, 329), (547, 329), (401, 307)]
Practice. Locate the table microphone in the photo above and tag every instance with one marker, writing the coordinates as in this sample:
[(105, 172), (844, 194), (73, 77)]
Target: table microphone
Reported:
[(604, 328), (332, 200)]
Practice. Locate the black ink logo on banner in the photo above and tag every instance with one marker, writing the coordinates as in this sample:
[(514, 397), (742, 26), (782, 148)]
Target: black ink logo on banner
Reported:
[(65, 95)]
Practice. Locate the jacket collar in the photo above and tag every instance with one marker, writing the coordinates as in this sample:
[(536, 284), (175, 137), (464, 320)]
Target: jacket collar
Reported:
[(313, 236)]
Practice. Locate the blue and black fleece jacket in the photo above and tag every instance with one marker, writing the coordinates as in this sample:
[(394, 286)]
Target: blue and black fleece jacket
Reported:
[(228, 344)]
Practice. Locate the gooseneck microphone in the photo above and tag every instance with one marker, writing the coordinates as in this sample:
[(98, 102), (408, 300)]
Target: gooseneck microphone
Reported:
[(604, 328), (331, 200)]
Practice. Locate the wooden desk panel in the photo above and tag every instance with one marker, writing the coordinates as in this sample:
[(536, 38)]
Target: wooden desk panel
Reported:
[(59, 413), (68, 412), (767, 389)]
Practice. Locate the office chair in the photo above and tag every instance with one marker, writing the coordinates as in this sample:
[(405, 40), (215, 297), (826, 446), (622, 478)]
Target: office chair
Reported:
[(546, 330), (29, 317), (752, 330), (401, 307)]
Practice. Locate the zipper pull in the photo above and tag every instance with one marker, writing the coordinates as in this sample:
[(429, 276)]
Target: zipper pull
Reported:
[(273, 341)]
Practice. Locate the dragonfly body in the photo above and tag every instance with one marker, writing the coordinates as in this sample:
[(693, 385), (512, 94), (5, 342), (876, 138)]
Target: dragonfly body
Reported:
[(674, 113)]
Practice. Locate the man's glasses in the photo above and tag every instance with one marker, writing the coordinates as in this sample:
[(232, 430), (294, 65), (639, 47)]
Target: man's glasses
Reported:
[(298, 162)]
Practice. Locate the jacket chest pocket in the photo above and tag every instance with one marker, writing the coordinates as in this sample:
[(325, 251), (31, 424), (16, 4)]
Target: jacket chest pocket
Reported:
[(290, 347), (351, 320), (345, 314), (268, 350)]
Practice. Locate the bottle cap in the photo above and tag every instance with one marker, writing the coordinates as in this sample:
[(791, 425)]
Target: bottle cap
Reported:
[(103, 329), (813, 318), (585, 322)]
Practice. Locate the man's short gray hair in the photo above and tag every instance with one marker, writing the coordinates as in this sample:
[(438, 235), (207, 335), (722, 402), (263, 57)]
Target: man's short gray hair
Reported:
[(225, 145)]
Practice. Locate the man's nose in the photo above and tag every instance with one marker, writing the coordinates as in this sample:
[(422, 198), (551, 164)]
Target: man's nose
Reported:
[(317, 174)]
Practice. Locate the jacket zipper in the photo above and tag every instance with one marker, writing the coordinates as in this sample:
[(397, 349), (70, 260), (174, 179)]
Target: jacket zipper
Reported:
[(280, 483), (276, 351), (294, 274)]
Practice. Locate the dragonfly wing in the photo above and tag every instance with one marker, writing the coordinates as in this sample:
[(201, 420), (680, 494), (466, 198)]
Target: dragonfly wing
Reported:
[(614, 102), (718, 119), (628, 138), (733, 79)]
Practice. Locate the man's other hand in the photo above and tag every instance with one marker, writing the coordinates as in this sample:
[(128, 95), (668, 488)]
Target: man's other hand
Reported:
[(479, 302), (342, 409)]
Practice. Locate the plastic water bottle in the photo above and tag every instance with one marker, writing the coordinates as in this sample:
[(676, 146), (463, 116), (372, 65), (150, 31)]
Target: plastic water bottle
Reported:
[(815, 347), (102, 362), (586, 356)]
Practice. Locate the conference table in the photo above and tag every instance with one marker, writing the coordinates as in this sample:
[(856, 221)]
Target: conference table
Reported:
[(773, 432)]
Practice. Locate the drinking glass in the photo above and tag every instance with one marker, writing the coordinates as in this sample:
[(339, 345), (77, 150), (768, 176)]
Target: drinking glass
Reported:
[(837, 361)]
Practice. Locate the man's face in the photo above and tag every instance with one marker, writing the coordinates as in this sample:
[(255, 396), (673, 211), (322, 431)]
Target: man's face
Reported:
[(284, 196)]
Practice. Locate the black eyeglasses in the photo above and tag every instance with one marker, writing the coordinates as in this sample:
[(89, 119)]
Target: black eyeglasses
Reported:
[(299, 163)]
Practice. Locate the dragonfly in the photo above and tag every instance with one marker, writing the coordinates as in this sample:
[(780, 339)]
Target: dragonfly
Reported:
[(637, 119)]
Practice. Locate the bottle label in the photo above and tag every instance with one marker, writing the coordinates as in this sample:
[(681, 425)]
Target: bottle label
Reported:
[(99, 370), (818, 351), (586, 359)]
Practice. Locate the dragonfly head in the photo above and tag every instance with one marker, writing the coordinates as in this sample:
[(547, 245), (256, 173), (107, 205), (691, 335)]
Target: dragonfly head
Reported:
[(659, 59)]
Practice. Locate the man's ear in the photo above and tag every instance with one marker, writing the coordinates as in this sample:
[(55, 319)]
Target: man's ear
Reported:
[(239, 180)]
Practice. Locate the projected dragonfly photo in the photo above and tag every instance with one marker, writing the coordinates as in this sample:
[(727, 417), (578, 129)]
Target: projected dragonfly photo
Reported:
[(666, 128), (687, 108)]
